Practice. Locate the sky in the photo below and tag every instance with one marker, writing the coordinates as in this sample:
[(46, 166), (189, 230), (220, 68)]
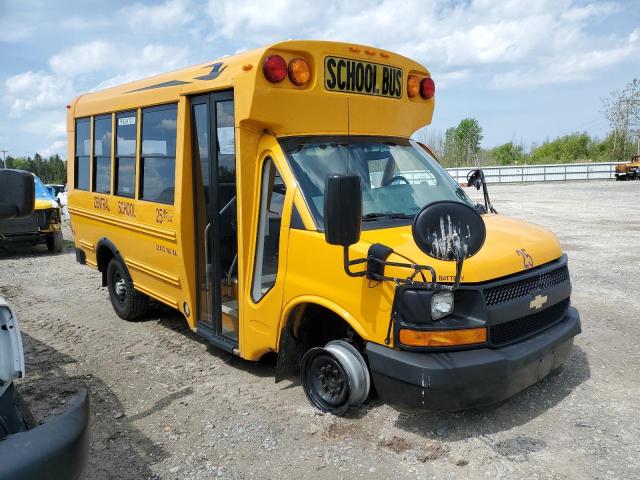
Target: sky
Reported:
[(527, 70)]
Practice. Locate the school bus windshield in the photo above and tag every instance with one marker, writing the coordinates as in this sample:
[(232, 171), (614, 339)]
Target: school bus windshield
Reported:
[(398, 177)]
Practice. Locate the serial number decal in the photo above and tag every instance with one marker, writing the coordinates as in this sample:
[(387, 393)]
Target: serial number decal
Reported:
[(167, 250), (100, 203), (127, 209), (355, 76), (163, 216), (126, 121)]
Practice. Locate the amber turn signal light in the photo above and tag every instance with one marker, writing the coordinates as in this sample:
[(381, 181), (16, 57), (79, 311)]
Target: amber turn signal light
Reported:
[(299, 71), (413, 86), (443, 338)]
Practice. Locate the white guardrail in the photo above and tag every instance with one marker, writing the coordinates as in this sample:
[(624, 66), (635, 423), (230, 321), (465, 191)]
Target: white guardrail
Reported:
[(540, 173)]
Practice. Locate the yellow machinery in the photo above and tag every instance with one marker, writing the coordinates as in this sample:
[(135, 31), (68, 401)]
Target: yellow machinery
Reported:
[(630, 170)]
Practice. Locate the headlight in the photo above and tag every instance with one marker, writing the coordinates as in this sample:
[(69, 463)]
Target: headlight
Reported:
[(441, 305)]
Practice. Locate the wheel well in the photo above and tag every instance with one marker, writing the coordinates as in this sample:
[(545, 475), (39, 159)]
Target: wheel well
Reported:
[(103, 257), (313, 325), (105, 251), (310, 325)]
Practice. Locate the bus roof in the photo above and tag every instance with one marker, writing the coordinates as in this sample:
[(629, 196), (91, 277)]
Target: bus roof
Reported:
[(281, 108)]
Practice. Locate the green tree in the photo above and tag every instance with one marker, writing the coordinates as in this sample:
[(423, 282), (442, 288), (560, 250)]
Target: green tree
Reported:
[(569, 148), (468, 136), (50, 170), (507, 154), (462, 143), (451, 153)]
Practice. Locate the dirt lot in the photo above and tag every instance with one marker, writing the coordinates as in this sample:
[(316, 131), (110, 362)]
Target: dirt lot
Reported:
[(165, 405)]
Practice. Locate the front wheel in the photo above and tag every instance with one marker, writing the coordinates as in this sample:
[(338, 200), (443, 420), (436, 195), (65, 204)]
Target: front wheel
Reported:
[(335, 378), (128, 303), (55, 242)]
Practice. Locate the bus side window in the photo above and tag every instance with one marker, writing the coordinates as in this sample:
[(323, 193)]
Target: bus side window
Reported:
[(272, 195), (83, 143), (125, 160), (102, 154), (158, 158)]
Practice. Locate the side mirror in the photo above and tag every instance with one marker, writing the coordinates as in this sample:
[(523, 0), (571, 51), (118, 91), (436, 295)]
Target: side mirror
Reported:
[(342, 209), (17, 194), (449, 230)]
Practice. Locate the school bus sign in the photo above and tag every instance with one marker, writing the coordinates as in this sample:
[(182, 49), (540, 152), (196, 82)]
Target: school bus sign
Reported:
[(354, 76)]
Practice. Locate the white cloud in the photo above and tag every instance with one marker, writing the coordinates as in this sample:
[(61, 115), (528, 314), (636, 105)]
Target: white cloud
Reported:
[(30, 91), (53, 148), (170, 14), (84, 24), (506, 37), (452, 77), (100, 55), (570, 67)]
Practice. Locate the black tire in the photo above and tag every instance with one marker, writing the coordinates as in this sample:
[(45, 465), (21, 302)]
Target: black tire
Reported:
[(128, 303), (55, 242), (335, 378), (325, 381)]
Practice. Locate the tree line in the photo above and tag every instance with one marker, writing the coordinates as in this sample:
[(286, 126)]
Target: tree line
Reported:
[(50, 170)]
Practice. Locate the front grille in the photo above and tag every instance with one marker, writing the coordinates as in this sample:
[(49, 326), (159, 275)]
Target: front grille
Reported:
[(519, 328), (520, 288)]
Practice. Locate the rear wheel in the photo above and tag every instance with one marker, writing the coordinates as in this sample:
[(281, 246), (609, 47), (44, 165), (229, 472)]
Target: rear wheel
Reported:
[(335, 378), (55, 242), (128, 303)]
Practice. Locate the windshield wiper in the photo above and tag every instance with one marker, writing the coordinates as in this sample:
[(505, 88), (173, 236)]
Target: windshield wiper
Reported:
[(381, 215)]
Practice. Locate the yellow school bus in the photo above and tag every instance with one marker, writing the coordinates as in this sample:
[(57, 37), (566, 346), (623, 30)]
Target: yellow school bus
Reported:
[(276, 199)]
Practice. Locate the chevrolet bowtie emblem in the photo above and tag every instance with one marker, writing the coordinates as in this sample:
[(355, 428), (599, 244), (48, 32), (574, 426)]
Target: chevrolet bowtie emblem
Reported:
[(538, 302)]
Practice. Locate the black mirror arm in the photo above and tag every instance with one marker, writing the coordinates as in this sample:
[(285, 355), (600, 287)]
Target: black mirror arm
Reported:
[(459, 258), (348, 263), (475, 178), (417, 269)]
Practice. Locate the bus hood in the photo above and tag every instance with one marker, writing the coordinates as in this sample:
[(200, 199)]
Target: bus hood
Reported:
[(511, 246)]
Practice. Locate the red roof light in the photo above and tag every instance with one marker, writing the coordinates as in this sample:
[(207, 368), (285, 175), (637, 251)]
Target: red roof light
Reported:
[(427, 88), (274, 68)]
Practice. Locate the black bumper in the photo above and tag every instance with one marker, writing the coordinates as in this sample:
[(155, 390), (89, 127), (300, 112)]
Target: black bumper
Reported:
[(469, 378), (56, 449)]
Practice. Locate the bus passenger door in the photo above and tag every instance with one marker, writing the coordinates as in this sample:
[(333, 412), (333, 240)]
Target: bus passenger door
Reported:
[(214, 167)]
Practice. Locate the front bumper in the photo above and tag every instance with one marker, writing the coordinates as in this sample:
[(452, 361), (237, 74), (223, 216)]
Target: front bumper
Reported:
[(470, 378), (56, 449)]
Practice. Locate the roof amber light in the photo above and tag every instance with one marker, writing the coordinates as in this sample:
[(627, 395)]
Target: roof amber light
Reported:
[(274, 68), (413, 86), (299, 71), (427, 88), (443, 338)]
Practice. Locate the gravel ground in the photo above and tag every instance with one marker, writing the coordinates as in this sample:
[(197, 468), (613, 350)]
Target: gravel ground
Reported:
[(166, 405)]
